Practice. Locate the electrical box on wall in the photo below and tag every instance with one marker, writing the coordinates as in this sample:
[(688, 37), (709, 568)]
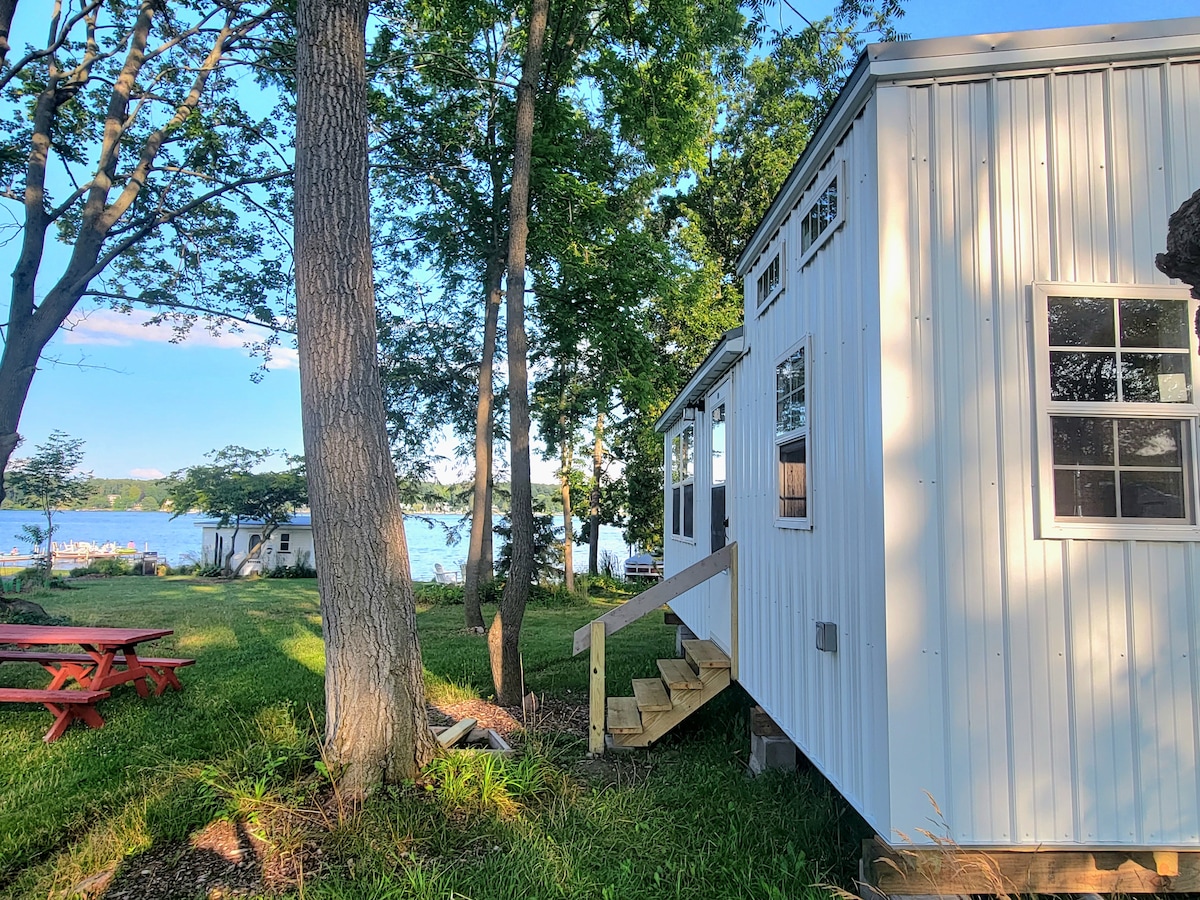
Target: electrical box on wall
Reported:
[(827, 637)]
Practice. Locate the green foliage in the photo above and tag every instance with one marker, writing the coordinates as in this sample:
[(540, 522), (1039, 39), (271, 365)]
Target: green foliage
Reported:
[(240, 744), (302, 568), (110, 567), (547, 548), (434, 594), (230, 491)]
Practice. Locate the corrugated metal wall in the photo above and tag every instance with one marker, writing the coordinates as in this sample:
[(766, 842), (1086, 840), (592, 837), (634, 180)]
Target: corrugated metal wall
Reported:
[(1041, 691), (830, 704)]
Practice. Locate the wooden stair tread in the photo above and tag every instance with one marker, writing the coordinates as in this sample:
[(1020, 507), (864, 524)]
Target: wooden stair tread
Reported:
[(706, 654), (650, 694), (623, 716), (679, 675)]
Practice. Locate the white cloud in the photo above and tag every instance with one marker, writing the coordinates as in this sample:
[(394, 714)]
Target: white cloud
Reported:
[(104, 327), (146, 473)]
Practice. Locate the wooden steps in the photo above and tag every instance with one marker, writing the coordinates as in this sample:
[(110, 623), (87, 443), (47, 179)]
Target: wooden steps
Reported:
[(659, 704), (623, 717), (650, 694), (678, 675)]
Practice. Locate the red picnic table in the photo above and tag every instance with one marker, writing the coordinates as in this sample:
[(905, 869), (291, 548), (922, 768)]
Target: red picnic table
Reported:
[(109, 659)]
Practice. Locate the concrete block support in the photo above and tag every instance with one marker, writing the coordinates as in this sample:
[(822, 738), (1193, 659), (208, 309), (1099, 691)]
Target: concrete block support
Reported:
[(770, 748)]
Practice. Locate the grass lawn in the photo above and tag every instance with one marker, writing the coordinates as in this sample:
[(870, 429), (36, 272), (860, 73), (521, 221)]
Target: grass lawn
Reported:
[(238, 747)]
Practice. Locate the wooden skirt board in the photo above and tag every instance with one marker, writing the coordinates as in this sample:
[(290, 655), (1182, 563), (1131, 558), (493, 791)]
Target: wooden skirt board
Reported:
[(66, 707), (908, 871)]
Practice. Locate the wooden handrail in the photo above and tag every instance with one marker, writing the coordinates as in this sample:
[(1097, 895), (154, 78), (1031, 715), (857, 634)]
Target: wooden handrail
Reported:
[(663, 592)]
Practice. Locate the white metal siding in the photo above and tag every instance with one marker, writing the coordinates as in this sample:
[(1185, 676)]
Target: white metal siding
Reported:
[(830, 704), (1042, 692)]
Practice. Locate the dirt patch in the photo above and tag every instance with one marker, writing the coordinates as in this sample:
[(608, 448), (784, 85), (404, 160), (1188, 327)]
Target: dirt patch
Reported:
[(544, 715), (224, 860)]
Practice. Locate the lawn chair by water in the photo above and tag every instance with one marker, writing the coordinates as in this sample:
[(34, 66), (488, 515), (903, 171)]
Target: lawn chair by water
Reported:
[(441, 576)]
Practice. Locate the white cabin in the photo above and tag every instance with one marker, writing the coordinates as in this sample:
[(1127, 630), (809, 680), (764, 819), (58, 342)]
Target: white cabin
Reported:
[(960, 429), (289, 544)]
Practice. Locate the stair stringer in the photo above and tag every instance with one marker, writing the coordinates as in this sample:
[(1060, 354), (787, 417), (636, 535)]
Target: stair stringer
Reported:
[(684, 702)]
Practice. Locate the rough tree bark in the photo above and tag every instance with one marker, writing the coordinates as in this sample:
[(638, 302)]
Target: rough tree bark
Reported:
[(505, 633), (376, 727), (1182, 259), (564, 487), (479, 556), (7, 9), (594, 497)]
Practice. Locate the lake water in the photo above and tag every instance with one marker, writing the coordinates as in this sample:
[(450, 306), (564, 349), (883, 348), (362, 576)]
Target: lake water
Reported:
[(179, 539)]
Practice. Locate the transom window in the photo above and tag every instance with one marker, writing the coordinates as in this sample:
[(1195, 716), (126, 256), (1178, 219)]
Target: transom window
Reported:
[(791, 435), (683, 483), (824, 212), (1119, 418), (770, 282)]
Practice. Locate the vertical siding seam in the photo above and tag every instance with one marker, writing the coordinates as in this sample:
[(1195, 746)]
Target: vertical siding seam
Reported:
[(1072, 713), (1131, 676), (1110, 186), (1001, 516), (1164, 77), (1194, 667), (933, 492), (1052, 180)]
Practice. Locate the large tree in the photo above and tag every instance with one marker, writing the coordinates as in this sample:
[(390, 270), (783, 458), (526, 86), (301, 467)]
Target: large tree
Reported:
[(376, 727), (126, 143)]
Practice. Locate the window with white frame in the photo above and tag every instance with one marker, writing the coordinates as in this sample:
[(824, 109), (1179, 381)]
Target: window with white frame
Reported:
[(823, 211), (1117, 414), (683, 483), (770, 281), (792, 418)]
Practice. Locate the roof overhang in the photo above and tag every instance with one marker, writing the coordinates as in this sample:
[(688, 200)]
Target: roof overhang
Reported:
[(964, 56), (719, 361)]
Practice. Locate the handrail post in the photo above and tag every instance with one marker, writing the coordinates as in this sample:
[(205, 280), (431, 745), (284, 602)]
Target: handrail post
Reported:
[(733, 612), (596, 698)]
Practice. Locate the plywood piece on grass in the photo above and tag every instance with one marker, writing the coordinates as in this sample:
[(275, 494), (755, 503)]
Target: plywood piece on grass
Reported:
[(456, 732)]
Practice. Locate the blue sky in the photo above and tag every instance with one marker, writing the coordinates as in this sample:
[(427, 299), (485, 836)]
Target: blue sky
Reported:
[(145, 407)]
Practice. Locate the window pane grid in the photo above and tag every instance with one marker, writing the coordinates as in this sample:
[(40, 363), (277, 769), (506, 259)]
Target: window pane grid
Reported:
[(1127, 485)]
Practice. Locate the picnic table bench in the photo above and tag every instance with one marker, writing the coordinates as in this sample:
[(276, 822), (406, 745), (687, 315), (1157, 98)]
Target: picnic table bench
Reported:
[(80, 667), (109, 659), (67, 706)]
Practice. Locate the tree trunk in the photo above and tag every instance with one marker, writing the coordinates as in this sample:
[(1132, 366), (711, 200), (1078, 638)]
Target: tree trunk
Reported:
[(564, 484), (227, 565), (7, 8), (594, 497), (504, 636), (479, 564), (376, 727)]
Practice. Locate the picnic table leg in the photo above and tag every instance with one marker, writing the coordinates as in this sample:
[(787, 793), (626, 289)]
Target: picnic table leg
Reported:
[(133, 665), (65, 714), (61, 673), (164, 677)]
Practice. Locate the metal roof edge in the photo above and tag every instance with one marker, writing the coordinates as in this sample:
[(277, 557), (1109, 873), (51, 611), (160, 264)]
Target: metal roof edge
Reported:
[(719, 360), (844, 110), (965, 55)]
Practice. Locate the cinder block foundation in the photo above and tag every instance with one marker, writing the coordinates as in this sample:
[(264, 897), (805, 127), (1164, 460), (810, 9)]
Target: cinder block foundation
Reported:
[(770, 748)]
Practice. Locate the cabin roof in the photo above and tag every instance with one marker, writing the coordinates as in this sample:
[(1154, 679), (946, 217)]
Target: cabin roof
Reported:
[(301, 521), (966, 55), (719, 361)]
